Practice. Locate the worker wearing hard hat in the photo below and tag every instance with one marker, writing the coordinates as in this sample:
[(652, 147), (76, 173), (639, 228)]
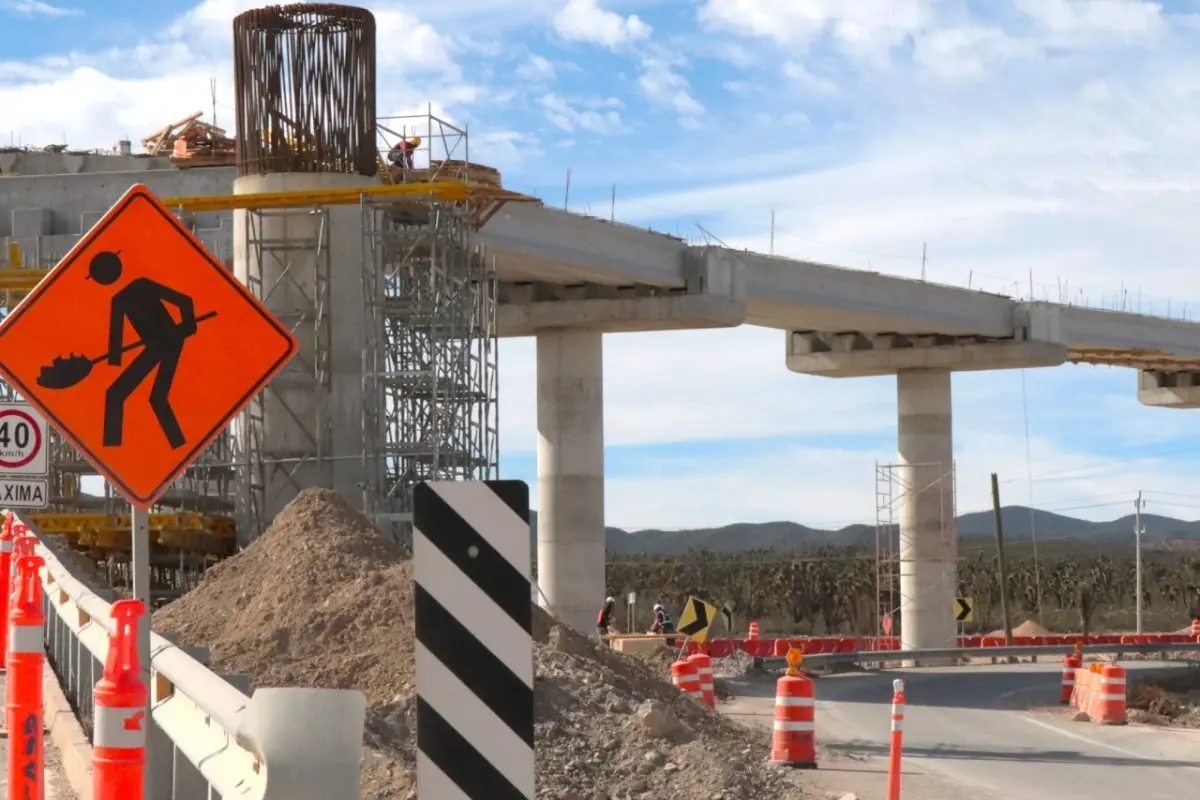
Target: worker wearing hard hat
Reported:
[(662, 621), (402, 154), (605, 618)]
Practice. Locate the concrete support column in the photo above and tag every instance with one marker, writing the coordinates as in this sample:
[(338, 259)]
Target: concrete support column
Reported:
[(928, 536), (570, 503)]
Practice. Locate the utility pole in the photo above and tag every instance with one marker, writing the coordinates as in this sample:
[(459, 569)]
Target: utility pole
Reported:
[(1138, 532), (1000, 561)]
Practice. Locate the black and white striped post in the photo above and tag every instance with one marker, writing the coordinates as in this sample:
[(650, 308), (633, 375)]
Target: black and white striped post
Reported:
[(474, 640)]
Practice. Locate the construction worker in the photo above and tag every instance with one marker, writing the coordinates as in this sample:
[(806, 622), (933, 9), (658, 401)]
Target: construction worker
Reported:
[(662, 621), (605, 617), (402, 154)]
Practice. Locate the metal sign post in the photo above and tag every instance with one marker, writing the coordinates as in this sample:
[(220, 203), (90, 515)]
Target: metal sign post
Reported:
[(139, 567)]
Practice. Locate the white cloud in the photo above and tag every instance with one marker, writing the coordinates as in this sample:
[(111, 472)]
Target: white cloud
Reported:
[(797, 72), (97, 98), (537, 69), (1091, 22), (585, 21), (37, 8), (868, 29), (663, 85), (597, 116)]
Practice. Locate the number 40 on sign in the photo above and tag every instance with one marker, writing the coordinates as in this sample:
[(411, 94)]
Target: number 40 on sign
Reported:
[(23, 441)]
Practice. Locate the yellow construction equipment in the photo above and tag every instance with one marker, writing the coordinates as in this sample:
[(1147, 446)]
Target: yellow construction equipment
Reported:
[(100, 535)]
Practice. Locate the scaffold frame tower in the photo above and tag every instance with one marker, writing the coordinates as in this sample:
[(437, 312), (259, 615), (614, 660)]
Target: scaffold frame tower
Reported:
[(892, 493), (299, 267), (430, 370)]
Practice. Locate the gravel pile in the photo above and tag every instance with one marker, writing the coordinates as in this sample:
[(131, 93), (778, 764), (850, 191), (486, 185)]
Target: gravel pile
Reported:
[(323, 600)]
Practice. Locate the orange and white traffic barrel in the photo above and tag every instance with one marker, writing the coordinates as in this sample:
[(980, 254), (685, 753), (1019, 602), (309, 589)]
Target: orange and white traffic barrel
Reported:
[(704, 672), (793, 740), (119, 727), (753, 634), (1110, 702), (1196, 627), (1070, 664), (23, 702), (685, 676)]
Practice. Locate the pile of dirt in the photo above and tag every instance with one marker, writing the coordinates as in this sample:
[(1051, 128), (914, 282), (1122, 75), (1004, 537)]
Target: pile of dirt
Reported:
[(1172, 700), (322, 600), (1026, 628)]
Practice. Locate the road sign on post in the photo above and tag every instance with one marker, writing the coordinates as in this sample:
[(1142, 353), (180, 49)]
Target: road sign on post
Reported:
[(24, 494), (964, 609), (139, 347), (23, 441)]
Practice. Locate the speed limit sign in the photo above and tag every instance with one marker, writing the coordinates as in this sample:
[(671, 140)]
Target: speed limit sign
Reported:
[(23, 441)]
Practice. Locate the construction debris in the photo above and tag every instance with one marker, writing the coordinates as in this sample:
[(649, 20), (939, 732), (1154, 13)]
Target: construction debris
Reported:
[(323, 600), (192, 143)]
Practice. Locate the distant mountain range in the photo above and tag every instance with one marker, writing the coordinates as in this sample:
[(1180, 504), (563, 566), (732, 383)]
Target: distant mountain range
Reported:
[(787, 536)]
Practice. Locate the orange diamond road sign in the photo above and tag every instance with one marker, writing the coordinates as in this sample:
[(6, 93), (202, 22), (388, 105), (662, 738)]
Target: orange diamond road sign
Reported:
[(140, 347)]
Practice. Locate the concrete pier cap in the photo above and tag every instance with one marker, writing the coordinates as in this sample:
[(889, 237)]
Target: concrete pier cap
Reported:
[(923, 366), (710, 293), (1163, 389)]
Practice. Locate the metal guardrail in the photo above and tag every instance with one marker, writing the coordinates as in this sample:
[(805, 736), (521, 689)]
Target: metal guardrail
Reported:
[(208, 738), (952, 653)]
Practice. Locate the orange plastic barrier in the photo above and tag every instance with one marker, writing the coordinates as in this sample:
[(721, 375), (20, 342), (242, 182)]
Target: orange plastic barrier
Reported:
[(23, 706), (684, 675), (6, 549), (1070, 664), (897, 748), (703, 664), (119, 729), (1100, 691), (793, 741)]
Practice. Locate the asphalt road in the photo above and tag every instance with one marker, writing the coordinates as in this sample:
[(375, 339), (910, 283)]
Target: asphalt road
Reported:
[(998, 730)]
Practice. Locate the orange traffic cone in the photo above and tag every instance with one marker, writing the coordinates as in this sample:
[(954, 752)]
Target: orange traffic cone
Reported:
[(119, 730), (23, 707)]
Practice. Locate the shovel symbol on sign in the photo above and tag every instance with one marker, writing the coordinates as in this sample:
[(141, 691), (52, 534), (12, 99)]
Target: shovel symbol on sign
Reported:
[(65, 372), (143, 304)]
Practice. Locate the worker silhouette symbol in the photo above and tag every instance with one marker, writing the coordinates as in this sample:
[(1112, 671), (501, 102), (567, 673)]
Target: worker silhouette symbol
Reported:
[(143, 303)]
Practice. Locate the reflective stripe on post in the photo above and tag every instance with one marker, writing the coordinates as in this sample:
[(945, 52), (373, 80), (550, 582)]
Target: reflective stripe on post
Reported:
[(26, 639), (893, 783), (119, 728)]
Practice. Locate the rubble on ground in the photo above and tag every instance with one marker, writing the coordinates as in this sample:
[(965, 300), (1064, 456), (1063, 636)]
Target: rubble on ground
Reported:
[(322, 600), (1167, 700)]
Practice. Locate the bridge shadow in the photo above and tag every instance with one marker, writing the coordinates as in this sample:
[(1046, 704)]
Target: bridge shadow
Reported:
[(857, 747)]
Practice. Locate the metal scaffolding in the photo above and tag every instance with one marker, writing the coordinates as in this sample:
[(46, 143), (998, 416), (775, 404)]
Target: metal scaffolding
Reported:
[(887, 550), (430, 364), (892, 493), (288, 269)]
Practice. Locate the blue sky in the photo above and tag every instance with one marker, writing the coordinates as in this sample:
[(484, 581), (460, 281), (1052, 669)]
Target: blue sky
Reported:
[(1035, 147)]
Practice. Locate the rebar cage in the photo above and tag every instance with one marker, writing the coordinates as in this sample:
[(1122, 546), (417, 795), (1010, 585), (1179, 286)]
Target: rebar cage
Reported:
[(304, 83)]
